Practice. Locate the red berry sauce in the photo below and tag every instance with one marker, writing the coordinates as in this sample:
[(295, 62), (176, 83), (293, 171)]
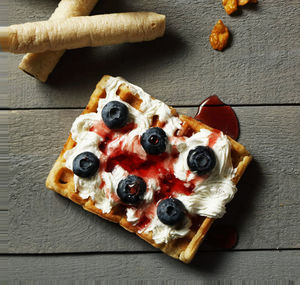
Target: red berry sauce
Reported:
[(214, 113), (159, 167), (222, 237)]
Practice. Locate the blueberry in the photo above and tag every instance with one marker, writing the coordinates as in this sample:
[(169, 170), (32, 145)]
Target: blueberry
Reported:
[(131, 189), (201, 159), (154, 141), (85, 164), (115, 115), (170, 211)]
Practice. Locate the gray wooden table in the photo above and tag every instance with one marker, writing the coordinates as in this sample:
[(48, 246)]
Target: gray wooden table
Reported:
[(52, 239)]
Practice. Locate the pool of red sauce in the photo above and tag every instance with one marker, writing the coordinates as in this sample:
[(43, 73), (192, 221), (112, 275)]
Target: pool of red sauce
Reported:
[(159, 167), (213, 112), (222, 237)]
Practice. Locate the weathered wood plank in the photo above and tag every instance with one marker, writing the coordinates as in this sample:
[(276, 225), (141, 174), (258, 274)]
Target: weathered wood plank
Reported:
[(260, 265), (4, 12), (260, 67), (3, 232), (265, 210)]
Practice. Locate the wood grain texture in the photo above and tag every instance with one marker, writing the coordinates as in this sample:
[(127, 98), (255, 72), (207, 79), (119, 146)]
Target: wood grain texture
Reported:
[(4, 12), (265, 210), (4, 232), (150, 282), (156, 267), (261, 66)]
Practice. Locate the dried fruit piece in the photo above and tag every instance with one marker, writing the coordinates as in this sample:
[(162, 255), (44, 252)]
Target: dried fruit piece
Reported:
[(244, 2), (230, 6), (219, 36)]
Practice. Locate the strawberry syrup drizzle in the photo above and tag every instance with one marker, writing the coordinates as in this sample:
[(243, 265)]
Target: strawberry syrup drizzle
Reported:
[(213, 137), (213, 112), (159, 167), (222, 237), (103, 131), (144, 221), (145, 214)]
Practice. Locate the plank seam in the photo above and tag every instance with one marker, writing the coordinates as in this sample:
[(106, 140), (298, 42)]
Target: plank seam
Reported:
[(143, 252), (175, 106)]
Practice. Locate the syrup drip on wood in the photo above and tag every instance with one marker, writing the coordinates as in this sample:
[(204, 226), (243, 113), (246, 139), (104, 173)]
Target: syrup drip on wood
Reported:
[(222, 237), (214, 113)]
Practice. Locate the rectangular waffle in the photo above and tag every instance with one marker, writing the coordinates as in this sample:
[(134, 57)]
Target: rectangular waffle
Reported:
[(60, 179)]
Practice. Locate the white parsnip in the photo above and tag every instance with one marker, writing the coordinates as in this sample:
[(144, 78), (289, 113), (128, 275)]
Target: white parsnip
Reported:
[(40, 65), (77, 32)]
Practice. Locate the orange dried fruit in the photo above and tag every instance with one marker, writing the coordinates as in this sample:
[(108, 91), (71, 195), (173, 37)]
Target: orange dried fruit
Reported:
[(230, 6), (219, 36)]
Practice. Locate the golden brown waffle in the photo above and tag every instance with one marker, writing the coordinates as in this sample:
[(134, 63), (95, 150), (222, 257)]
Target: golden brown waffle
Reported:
[(60, 179)]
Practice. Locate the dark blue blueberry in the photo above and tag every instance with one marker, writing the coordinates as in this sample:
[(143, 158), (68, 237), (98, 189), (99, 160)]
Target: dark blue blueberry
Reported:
[(201, 160), (154, 141), (85, 164), (131, 189), (170, 211), (115, 115)]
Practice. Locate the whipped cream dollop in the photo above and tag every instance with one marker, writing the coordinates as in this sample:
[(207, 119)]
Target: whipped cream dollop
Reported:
[(210, 193)]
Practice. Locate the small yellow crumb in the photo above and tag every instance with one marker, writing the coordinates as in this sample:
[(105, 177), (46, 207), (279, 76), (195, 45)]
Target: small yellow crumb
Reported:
[(230, 6), (244, 2), (219, 36)]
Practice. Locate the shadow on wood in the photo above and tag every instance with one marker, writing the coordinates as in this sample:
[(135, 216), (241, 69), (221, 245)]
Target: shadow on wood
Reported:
[(250, 7), (82, 66), (238, 211)]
